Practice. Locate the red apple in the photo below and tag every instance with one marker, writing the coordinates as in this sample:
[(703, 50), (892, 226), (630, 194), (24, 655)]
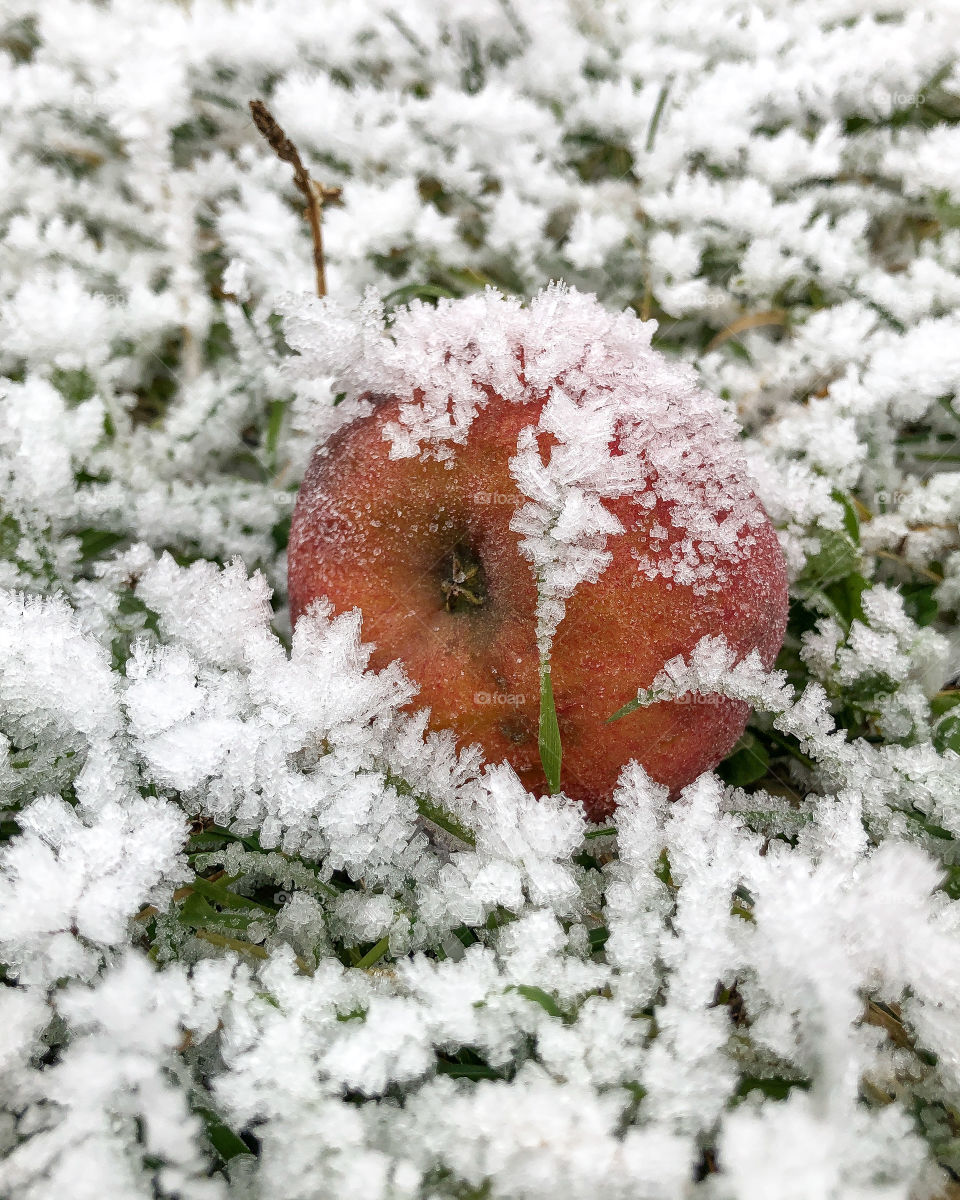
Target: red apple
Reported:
[(428, 547)]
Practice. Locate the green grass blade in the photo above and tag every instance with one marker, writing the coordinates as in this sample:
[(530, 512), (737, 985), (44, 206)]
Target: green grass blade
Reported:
[(628, 708), (550, 749)]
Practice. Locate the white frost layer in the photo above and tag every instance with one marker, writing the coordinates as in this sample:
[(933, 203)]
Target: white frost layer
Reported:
[(774, 184), (619, 419)]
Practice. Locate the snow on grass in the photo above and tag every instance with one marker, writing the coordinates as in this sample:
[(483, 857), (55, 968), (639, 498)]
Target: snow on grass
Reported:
[(263, 935)]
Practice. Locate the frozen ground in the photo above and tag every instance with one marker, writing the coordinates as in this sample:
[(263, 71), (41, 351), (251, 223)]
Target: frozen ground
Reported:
[(238, 961)]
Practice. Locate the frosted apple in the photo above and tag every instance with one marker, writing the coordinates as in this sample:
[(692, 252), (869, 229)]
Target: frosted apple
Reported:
[(513, 487)]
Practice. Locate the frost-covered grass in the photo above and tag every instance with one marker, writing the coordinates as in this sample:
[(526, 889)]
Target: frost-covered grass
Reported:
[(262, 935)]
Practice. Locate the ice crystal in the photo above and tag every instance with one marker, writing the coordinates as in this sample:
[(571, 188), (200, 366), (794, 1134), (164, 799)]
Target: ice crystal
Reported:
[(262, 934)]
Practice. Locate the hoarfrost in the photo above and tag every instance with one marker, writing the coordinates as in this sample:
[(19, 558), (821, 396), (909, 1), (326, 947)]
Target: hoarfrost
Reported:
[(263, 935)]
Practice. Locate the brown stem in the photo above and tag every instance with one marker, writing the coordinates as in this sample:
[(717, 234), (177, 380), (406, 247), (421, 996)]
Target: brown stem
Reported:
[(898, 558), (775, 316), (315, 194)]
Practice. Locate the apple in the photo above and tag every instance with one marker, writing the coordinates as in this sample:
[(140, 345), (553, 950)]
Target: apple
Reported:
[(413, 512)]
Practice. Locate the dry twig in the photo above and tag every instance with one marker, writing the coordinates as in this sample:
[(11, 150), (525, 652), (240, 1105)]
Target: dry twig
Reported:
[(315, 194), (775, 316)]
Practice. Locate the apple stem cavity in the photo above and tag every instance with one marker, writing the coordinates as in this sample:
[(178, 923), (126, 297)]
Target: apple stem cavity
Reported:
[(464, 584)]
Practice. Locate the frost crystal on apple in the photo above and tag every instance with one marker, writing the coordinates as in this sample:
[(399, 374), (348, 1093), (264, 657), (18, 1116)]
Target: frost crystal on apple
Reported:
[(617, 419)]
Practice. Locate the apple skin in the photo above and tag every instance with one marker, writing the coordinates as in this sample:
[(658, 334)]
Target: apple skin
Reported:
[(378, 534)]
